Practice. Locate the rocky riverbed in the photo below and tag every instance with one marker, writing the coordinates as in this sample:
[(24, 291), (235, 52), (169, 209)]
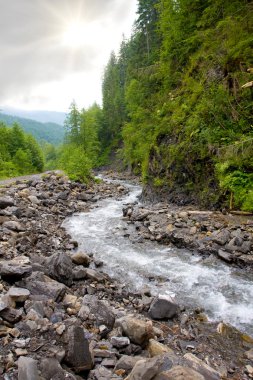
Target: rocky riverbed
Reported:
[(62, 317)]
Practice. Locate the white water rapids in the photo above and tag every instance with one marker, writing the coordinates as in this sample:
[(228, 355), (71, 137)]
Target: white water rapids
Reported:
[(225, 293)]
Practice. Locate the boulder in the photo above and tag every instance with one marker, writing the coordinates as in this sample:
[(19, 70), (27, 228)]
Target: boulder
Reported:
[(221, 237), (40, 284), (127, 363), (147, 369), (50, 367), (13, 226), (59, 267), (163, 307), (27, 369), (78, 355), (81, 258), (180, 373), (101, 312), (6, 202), (137, 330), (16, 268), (18, 294), (155, 348), (204, 369)]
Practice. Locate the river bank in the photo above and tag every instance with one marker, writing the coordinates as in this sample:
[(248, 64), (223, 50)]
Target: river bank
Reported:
[(62, 316)]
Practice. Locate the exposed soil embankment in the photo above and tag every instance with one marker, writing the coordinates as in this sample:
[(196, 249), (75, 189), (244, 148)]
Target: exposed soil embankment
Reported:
[(61, 317)]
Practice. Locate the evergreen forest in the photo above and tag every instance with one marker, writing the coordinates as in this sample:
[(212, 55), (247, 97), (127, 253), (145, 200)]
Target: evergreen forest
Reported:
[(177, 106)]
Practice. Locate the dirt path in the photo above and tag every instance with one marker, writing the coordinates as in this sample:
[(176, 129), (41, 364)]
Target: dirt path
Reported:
[(26, 177)]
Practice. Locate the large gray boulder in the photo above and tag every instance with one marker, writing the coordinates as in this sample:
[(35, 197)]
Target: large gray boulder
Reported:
[(180, 373), (40, 284), (16, 268), (59, 267), (93, 308), (27, 369), (78, 355), (163, 307)]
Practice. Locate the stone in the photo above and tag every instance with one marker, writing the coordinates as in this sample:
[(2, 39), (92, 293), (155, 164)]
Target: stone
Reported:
[(249, 354), (221, 237), (6, 202), (147, 369), (163, 307), (15, 268), (79, 273), (40, 284), (81, 258), (59, 267), (94, 275), (13, 226), (127, 363), (50, 367), (78, 355), (226, 256), (137, 330), (11, 315), (120, 341), (100, 310), (18, 294), (33, 199), (180, 373), (155, 348), (199, 366), (27, 369)]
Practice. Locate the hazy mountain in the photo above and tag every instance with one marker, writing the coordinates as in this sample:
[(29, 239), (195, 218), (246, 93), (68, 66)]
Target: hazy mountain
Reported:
[(50, 132), (41, 116)]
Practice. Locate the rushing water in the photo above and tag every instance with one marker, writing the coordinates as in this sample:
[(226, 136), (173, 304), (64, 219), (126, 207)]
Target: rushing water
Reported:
[(224, 292)]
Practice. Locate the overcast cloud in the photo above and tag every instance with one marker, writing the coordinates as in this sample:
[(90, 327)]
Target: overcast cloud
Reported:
[(38, 69)]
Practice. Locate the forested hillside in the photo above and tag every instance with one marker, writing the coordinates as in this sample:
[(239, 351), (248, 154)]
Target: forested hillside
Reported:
[(179, 98), (48, 132), (19, 152)]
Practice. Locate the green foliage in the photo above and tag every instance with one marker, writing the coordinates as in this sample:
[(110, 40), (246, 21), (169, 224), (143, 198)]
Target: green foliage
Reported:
[(182, 96), (74, 161), (19, 153)]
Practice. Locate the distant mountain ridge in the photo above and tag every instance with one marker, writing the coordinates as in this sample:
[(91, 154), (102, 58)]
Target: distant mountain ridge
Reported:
[(41, 116), (50, 132)]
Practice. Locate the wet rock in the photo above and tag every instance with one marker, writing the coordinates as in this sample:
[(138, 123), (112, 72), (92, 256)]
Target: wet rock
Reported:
[(78, 355), (40, 284), (27, 369), (101, 312), (137, 330), (81, 258), (59, 267), (163, 307), (95, 275), (147, 369), (198, 365), (6, 202), (180, 373)]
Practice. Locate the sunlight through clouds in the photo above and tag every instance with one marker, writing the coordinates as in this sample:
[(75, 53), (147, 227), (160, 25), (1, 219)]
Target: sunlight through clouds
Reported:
[(56, 51)]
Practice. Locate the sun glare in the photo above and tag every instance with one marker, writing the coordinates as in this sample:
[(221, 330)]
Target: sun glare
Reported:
[(74, 35)]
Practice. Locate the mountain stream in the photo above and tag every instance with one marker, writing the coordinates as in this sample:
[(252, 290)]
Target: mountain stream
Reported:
[(225, 293)]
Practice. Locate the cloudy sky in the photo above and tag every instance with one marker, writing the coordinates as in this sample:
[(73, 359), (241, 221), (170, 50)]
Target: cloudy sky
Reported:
[(54, 51)]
